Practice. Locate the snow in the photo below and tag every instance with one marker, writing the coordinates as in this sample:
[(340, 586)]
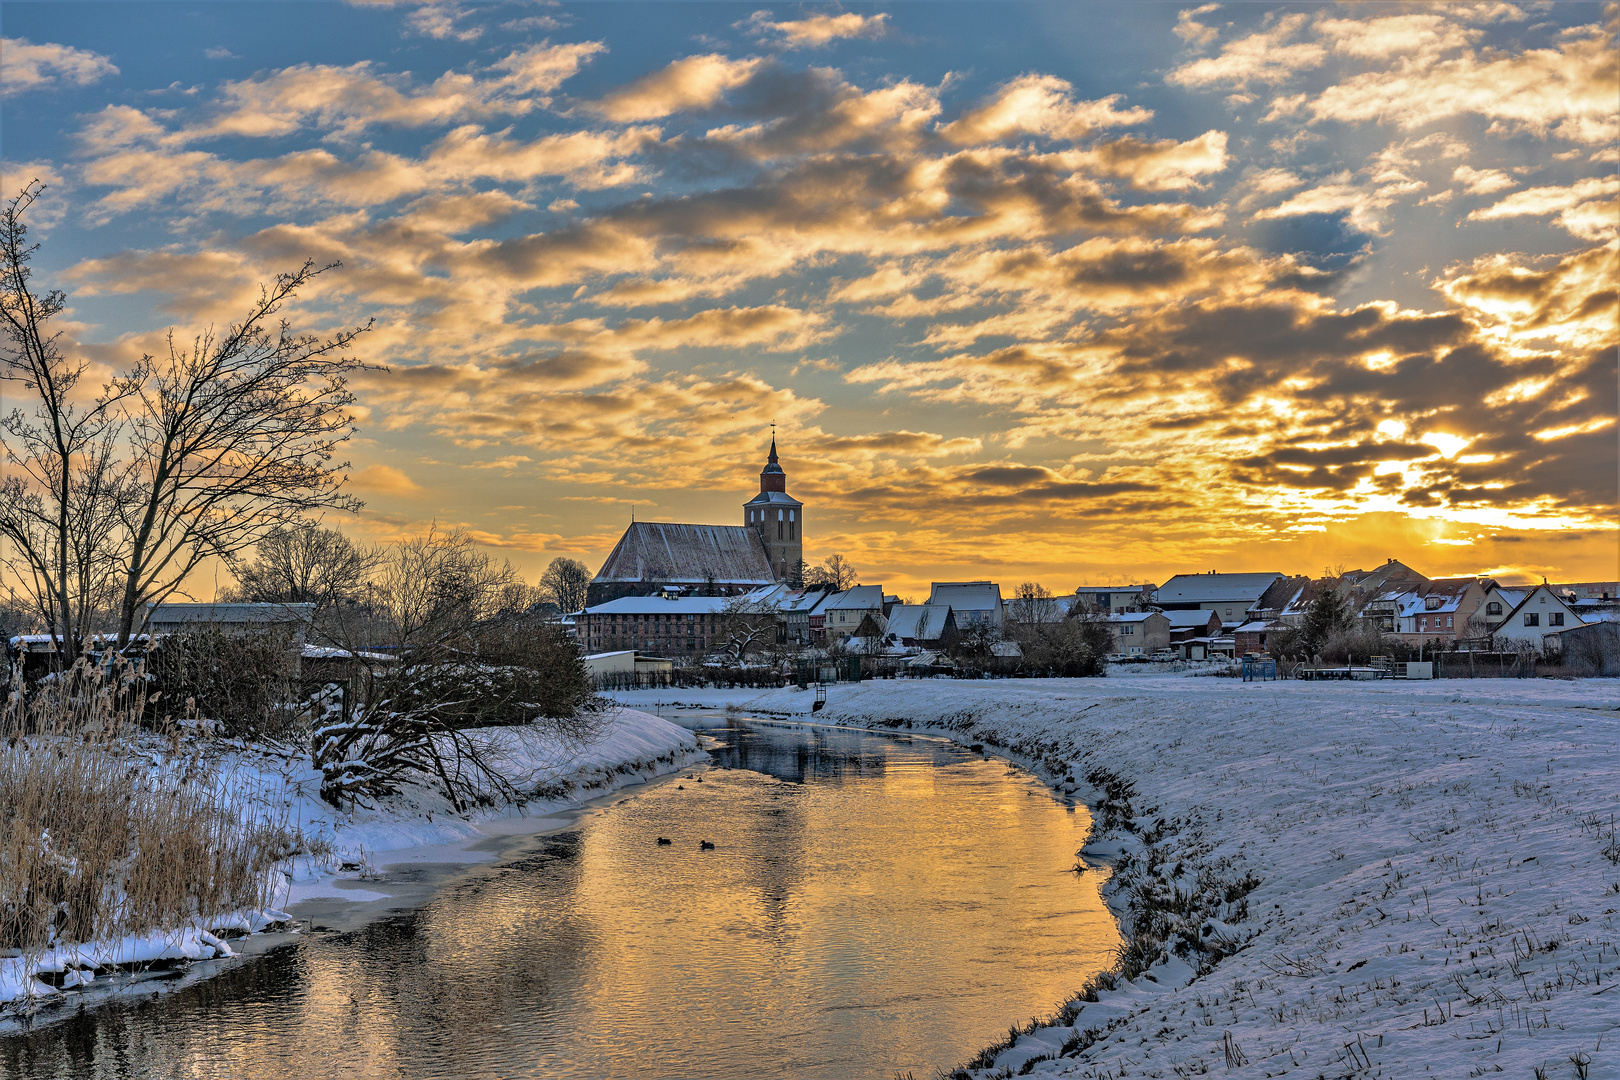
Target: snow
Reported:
[(418, 825), (1438, 872)]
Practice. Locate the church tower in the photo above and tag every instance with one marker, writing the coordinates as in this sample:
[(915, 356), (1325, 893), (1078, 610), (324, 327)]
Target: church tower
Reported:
[(777, 517)]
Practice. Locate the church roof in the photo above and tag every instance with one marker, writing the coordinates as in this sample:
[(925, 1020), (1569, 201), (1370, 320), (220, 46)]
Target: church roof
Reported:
[(694, 554), (774, 498)]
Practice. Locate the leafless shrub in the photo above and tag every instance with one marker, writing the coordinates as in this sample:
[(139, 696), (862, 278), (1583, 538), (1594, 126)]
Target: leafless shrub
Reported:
[(242, 682), (465, 656)]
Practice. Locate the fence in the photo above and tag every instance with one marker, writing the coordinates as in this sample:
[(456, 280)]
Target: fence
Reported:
[(1484, 665), (760, 678)]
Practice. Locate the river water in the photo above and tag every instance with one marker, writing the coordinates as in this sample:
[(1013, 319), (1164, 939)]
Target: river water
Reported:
[(872, 905)]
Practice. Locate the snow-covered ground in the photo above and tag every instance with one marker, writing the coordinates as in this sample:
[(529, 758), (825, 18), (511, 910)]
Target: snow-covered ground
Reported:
[(1324, 880), (353, 847)]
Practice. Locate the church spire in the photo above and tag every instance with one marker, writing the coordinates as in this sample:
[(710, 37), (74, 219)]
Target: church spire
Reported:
[(771, 477)]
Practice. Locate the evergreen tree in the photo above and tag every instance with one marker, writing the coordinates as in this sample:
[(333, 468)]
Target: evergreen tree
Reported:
[(1326, 615)]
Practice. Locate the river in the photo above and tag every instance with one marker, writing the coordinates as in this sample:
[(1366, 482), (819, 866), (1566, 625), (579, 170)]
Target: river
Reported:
[(873, 904)]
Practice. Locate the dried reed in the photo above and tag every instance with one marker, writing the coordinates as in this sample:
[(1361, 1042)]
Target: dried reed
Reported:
[(107, 830)]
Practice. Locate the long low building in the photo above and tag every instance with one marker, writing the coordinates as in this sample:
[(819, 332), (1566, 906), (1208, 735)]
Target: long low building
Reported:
[(660, 625)]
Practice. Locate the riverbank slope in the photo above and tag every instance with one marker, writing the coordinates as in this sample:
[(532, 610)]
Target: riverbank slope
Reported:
[(345, 851), (1380, 879)]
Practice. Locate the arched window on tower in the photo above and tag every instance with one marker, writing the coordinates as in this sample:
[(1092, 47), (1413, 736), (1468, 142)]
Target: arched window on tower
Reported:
[(779, 524), (792, 526)]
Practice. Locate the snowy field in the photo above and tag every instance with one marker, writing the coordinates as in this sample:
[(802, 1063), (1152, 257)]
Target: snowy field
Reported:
[(351, 848), (1379, 879)]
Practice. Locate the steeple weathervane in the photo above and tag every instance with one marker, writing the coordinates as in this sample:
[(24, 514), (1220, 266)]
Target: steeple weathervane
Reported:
[(771, 478)]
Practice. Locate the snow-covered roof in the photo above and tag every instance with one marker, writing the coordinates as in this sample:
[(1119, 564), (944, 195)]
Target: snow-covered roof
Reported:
[(1215, 588), (668, 552), (858, 597), (1253, 626), (1557, 602), (780, 499), (658, 605), (1180, 620), (966, 595), (1131, 616), (331, 652), (905, 618), (1413, 604), (228, 614)]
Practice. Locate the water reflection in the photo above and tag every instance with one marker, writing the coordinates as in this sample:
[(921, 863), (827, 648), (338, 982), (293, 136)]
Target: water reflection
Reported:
[(871, 905)]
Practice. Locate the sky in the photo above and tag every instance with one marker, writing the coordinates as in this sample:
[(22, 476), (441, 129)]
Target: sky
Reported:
[(1073, 293)]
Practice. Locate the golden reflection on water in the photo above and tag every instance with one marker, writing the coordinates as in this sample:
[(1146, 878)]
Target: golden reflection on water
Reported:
[(872, 904)]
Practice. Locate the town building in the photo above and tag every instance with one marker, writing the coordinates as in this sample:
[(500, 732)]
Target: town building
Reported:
[(1537, 623), (1196, 623), (292, 620), (793, 609), (844, 612), (1107, 599), (1359, 586), (1251, 637), (1499, 600), (972, 603), (922, 626), (1438, 613), (665, 625), (712, 560), (1138, 633), (1229, 595), (1591, 590), (626, 667)]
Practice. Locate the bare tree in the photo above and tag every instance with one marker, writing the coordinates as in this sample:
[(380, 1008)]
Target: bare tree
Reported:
[(466, 656), (305, 564), (59, 497), (231, 438), (565, 583), (835, 570), (1033, 604), (747, 626), (435, 587)]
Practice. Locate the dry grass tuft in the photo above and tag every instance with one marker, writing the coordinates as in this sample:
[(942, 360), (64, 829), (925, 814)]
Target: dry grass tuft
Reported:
[(106, 831)]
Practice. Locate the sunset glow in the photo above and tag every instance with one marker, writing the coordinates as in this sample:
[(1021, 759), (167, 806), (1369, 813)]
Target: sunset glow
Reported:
[(1056, 292)]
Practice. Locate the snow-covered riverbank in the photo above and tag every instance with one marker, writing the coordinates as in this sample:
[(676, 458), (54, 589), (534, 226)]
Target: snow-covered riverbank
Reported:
[(346, 851), (1359, 879)]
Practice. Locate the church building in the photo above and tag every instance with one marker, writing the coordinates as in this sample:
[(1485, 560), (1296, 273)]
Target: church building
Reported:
[(715, 560)]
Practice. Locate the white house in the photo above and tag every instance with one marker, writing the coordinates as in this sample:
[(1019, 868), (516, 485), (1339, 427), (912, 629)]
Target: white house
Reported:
[(1536, 623), (844, 611), (1497, 603)]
